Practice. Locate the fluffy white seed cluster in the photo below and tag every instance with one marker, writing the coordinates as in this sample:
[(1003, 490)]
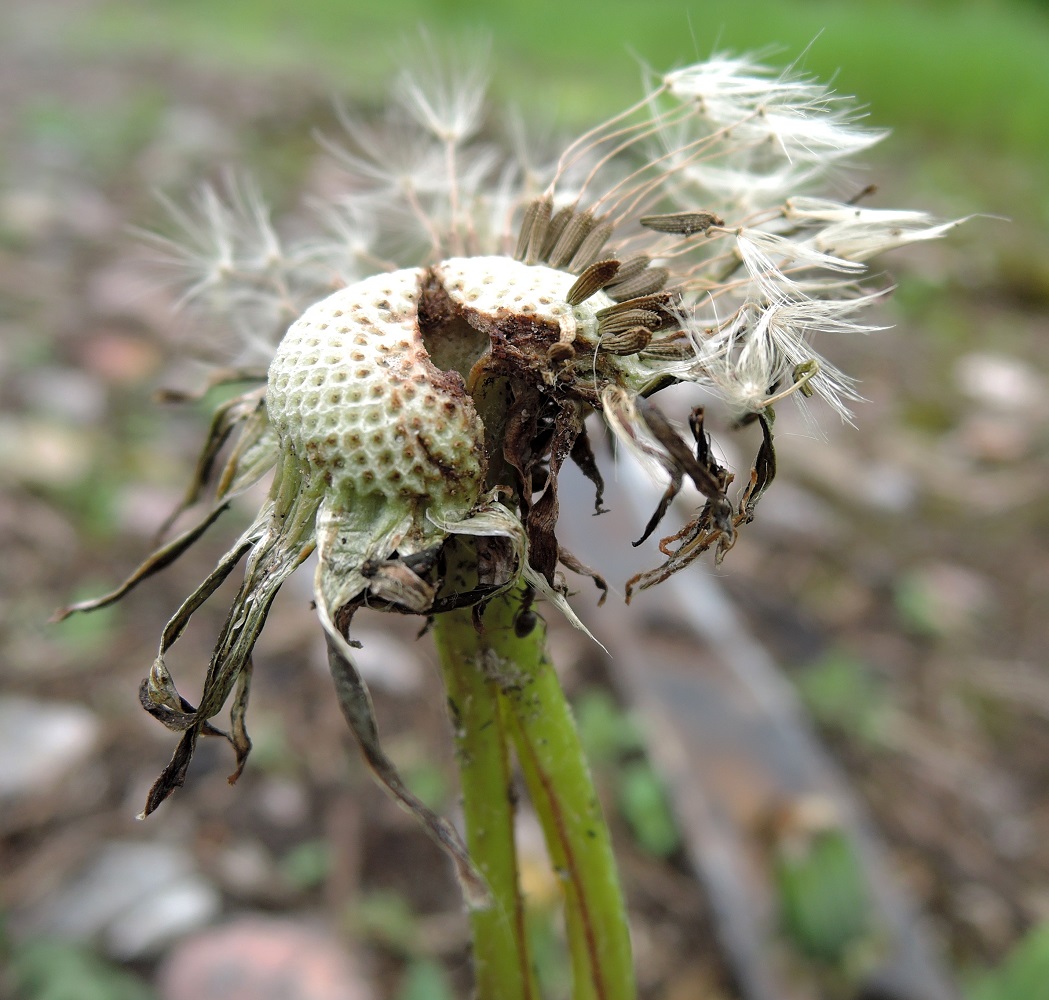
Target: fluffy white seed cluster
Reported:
[(728, 137)]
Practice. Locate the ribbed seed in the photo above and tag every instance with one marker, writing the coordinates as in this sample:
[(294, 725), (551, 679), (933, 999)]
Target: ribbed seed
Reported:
[(682, 223), (577, 230), (647, 282), (592, 280), (533, 212), (590, 249), (656, 301), (539, 227), (680, 348), (555, 229), (618, 322), (629, 341), (630, 267)]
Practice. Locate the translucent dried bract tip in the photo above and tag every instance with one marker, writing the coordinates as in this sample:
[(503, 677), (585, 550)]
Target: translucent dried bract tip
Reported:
[(427, 408)]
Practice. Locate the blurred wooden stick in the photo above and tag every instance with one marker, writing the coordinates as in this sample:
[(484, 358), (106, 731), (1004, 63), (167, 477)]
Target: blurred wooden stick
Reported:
[(736, 750)]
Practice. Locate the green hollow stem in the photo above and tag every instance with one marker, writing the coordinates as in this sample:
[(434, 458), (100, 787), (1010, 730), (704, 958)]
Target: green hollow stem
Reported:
[(561, 789), (502, 965), (515, 698)]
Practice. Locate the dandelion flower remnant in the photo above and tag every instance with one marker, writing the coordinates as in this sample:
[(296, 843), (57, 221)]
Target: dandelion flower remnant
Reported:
[(484, 309)]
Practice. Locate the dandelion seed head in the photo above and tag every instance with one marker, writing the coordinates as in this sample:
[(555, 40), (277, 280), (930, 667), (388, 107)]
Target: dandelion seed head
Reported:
[(434, 354)]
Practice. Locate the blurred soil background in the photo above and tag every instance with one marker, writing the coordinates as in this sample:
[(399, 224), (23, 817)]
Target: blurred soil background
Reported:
[(898, 572)]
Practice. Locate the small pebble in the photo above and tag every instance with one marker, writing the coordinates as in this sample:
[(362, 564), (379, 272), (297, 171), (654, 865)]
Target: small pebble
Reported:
[(259, 959), (1001, 382), (41, 742), (135, 897)]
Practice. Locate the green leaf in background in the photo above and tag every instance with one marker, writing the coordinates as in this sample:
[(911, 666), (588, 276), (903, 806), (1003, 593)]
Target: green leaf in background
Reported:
[(271, 751), (843, 694), (607, 732), (306, 865), (916, 605), (1024, 975), (83, 634), (428, 781), (57, 970), (387, 918), (824, 903), (643, 803), (425, 980)]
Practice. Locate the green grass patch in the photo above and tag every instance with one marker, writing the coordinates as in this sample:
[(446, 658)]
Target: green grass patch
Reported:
[(974, 69)]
